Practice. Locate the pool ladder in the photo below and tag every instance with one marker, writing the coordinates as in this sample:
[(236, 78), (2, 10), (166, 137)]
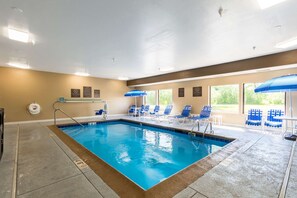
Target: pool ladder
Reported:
[(58, 109), (209, 124)]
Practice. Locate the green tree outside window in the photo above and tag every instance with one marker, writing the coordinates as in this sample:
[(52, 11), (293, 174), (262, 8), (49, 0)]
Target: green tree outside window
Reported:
[(225, 98), (165, 97)]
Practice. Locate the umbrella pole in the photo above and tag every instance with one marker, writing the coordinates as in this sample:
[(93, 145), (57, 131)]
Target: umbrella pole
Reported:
[(291, 107), (291, 112), (135, 110)]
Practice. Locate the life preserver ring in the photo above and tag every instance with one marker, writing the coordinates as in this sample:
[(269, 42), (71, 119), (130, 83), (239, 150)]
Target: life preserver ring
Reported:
[(34, 108)]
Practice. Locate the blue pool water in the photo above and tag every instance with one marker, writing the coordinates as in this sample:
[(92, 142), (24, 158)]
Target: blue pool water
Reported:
[(146, 155)]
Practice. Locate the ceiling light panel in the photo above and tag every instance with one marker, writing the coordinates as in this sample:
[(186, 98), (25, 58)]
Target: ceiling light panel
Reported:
[(166, 68), (286, 44), (123, 78), (19, 65), (268, 3), (81, 74), (17, 35)]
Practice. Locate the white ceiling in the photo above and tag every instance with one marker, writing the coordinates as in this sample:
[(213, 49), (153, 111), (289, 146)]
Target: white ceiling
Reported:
[(133, 38)]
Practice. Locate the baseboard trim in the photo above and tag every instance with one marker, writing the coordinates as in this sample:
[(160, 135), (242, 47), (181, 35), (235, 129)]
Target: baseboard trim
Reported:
[(257, 128), (231, 125)]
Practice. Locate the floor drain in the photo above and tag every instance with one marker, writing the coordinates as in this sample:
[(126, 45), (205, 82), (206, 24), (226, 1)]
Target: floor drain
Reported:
[(80, 164)]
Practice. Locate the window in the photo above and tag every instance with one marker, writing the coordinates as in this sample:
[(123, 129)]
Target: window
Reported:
[(263, 101), (165, 97), (150, 98), (225, 98)]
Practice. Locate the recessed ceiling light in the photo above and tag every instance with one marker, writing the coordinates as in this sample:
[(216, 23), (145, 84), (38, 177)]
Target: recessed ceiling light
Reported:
[(17, 9), (268, 3), (166, 68), (17, 35), (288, 43), (81, 74), (19, 65), (123, 78)]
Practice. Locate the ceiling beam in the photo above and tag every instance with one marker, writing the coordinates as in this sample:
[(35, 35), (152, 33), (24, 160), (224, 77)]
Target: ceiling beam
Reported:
[(279, 59)]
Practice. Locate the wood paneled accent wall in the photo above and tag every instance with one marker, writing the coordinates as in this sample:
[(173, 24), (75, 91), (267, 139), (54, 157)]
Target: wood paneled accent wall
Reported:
[(284, 58)]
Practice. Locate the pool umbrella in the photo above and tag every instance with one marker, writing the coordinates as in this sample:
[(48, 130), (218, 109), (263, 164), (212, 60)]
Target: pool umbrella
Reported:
[(280, 84), (286, 83), (135, 93)]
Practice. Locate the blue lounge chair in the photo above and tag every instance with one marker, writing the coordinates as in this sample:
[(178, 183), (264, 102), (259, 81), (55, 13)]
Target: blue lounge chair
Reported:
[(140, 109), (254, 117), (132, 110), (101, 112), (184, 114), (144, 110), (156, 110), (166, 113), (203, 116), (271, 120)]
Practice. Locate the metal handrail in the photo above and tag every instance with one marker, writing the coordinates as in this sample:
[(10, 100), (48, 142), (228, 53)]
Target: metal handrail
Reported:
[(58, 109), (209, 124), (76, 100)]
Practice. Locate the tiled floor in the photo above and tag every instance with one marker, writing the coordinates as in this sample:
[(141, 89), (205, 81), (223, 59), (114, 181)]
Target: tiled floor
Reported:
[(46, 168)]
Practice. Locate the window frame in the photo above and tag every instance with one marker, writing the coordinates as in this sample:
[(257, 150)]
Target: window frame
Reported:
[(156, 97), (159, 96), (226, 111), (243, 98)]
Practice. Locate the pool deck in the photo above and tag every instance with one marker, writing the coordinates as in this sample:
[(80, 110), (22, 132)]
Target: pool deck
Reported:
[(36, 163)]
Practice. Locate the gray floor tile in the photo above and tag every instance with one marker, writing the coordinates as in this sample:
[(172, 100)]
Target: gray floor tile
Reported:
[(292, 184), (258, 172), (103, 188), (186, 193), (69, 152), (64, 147), (10, 141), (198, 195), (73, 187), (41, 162), (6, 181), (275, 140), (10, 126), (8, 161), (45, 167)]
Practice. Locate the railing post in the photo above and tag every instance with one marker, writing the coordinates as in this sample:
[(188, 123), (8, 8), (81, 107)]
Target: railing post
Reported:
[(55, 117)]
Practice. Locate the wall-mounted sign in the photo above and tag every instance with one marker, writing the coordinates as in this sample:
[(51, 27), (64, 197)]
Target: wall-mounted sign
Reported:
[(75, 93), (87, 92), (181, 92), (197, 91), (96, 93)]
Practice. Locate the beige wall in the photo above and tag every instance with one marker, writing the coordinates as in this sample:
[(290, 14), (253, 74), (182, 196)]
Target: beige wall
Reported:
[(19, 88), (198, 102)]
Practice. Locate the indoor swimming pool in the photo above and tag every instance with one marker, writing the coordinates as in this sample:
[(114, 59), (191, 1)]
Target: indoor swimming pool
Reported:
[(146, 155)]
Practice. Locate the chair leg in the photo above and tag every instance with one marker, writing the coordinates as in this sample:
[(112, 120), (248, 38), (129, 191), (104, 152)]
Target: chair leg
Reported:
[(210, 127)]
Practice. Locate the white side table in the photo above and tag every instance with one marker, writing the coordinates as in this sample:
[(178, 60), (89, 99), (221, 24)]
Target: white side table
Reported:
[(287, 119), (217, 119)]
